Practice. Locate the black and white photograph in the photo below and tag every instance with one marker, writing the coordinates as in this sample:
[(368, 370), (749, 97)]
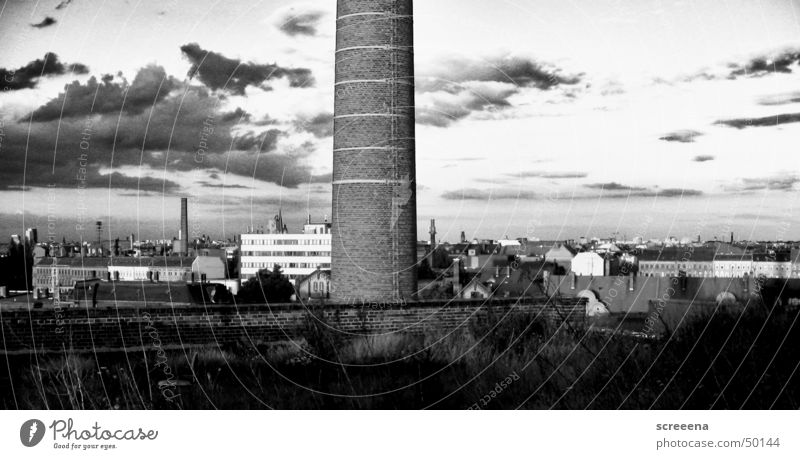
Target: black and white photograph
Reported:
[(393, 205)]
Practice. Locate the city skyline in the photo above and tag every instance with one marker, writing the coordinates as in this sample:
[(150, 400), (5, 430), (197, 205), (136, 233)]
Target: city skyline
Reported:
[(673, 133)]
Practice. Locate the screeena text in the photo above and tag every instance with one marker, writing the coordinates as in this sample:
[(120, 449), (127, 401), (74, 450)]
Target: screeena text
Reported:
[(95, 432), (681, 426)]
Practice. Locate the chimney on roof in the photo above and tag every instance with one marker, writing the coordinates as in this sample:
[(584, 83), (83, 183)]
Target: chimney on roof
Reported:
[(463, 237), (731, 237), (184, 227), (456, 277)]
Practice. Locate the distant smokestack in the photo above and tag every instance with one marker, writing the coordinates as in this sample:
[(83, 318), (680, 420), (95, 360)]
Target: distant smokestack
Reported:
[(456, 276), (433, 234), (731, 237), (184, 226)]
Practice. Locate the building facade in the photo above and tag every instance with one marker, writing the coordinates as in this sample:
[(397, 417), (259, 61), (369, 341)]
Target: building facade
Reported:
[(315, 286), (160, 269), (772, 266), (588, 264), (671, 262), (733, 265), (298, 255), (57, 276)]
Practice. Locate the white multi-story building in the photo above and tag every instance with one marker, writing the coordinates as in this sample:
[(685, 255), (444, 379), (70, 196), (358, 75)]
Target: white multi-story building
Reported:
[(772, 265), (733, 265), (588, 264), (298, 255)]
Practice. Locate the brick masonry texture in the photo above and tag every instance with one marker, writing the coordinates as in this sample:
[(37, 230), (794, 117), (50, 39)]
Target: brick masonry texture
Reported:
[(348, 7), (126, 326), (374, 190)]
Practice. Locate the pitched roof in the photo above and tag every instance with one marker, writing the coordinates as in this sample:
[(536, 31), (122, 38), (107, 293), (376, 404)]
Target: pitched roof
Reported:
[(561, 247), (317, 271), (688, 255), (779, 257), (169, 262), (78, 262)]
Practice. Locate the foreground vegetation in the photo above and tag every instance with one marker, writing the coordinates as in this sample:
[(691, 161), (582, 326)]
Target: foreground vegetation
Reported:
[(726, 362)]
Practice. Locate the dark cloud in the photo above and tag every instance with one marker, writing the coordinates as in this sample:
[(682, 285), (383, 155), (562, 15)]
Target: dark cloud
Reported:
[(63, 4), (550, 175), (777, 183), (616, 190), (776, 120), (180, 130), (237, 115), (510, 193), (674, 193), (784, 62), (455, 102), (219, 72), (117, 180), (46, 22), (320, 125), (613, 186), (703, 158), (515, 70), (150, 86), (780, 99), (300, 23), (461, 87), (760, 66), (5, 187), (223, 186), (682, 136), (472, 194), (66, 176), (28, 76)]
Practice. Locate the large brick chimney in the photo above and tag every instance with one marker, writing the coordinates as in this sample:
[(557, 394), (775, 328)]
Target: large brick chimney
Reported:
[(374, 176)]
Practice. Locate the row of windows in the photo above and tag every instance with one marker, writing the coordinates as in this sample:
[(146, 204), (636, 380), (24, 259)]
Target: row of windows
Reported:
[(286, 265), (70, 272), (319, 286), (286, 254), (684, 266), (291, 277), (325, 241)]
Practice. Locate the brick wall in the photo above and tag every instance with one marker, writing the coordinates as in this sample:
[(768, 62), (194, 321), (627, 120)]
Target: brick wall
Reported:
[(374, 216), (130, 326)]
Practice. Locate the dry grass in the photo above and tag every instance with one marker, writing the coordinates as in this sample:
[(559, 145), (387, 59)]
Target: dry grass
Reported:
[(714, 363)]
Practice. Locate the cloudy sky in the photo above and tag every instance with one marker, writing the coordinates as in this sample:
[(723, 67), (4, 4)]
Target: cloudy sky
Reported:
[(537, 118)]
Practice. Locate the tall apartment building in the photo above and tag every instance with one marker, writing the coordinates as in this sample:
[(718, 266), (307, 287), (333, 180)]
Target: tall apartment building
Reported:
[(298, 255)]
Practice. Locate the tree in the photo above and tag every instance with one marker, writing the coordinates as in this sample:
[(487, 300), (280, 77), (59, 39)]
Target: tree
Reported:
[(20, 265), (440, 258), (268, 286)]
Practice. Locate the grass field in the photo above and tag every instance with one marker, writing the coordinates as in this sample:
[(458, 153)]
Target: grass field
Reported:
[(724, 361)]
